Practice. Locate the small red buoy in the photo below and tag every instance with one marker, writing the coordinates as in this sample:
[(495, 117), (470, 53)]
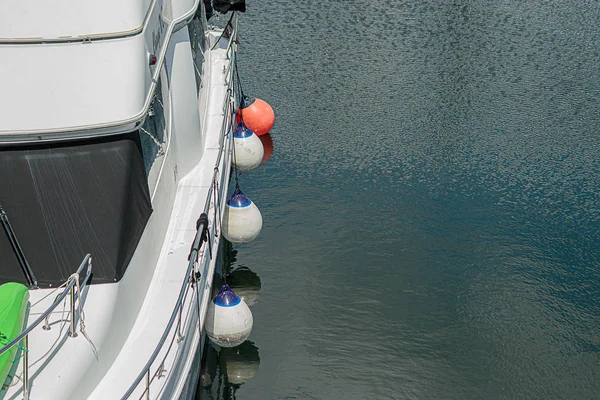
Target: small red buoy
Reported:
[(267, 142), (257, 115)]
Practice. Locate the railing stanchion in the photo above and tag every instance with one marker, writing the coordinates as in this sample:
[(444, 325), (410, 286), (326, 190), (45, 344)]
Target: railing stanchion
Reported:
[(72, 331), (46, 326), (25, 351), (23, 337), (148, 385)]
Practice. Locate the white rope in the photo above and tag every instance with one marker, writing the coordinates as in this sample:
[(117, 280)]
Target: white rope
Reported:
[(160, 101), (155, 140), (46, 296), (82, 317)]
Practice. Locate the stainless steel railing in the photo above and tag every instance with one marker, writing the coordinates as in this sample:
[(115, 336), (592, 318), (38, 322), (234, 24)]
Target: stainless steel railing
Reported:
[(72, 285), (197, 258)]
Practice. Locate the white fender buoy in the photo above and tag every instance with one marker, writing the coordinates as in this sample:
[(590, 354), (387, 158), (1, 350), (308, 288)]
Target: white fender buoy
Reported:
[(248, 150), (246, 284), (228, 319), (241, 362), (242, 220)]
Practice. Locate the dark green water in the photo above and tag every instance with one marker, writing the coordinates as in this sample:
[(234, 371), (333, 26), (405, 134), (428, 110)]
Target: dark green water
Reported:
[(431, 210)]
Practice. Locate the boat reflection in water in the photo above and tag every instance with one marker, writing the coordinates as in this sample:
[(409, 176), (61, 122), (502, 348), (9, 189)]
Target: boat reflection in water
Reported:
[(244, 282), (225, 370)]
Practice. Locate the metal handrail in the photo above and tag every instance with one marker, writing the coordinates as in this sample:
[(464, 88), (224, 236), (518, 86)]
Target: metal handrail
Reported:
[(73, 282), (226, 128), (87, 260)]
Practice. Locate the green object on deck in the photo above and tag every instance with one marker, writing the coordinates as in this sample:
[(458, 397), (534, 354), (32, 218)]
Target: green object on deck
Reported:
[(13, 309)]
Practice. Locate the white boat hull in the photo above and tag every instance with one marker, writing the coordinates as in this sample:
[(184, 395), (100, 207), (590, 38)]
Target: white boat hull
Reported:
[(126, 320)]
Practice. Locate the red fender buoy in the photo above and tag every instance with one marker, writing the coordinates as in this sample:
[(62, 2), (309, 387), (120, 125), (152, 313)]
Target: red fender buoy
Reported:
[(257, 114)]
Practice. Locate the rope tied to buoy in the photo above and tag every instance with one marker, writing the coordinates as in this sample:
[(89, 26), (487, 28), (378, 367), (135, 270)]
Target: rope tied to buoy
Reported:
[(256, 114), (236, 79), (235, 170), (226, 31)]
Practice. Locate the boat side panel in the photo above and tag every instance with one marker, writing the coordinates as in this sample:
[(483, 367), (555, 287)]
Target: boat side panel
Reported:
[(150, 291), (189, 142)]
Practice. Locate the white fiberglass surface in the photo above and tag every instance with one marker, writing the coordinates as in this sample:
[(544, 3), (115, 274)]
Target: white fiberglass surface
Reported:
[(69, 18), (56, 360), (68, 86)]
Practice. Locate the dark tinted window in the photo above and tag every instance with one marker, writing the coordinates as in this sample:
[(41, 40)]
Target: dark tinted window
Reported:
[(67, 199)]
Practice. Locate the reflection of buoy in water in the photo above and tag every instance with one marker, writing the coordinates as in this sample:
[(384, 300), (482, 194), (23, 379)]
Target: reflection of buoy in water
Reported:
[(228, 319), (246, 284), (257, 114), (248, 150), (241, 362), (267, 142), (242, 220)]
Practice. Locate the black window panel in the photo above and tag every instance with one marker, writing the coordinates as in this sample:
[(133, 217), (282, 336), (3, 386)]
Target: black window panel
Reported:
[(67, 199)]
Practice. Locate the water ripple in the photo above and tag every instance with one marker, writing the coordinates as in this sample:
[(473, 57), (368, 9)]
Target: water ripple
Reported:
[(431, 207)]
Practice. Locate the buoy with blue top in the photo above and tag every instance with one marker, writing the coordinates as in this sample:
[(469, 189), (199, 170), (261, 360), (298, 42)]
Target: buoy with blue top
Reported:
[(242, 221), (228, 319), (248, 150)]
